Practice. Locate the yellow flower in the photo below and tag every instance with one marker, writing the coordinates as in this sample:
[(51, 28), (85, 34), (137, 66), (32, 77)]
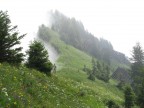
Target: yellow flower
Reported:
[(15, 103)]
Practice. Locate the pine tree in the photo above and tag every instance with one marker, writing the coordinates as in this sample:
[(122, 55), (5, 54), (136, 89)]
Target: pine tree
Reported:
[(107, 74), (137, 65), (38, 57), (91, 77), (99, 66), (129, 97), (9, 41), (137, 54), (95, 71), (141, 96)]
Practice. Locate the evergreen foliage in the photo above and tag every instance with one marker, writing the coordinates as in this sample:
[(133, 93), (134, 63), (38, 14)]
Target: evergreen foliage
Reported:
[(112, 104), (129, 98), (91, 77), (38, 57), (138, 73), (121, 85), (87, 70), (137, 67), (137, 54), (72, 32), (100, 72), (43, 32), (141, 96), (9, 41)]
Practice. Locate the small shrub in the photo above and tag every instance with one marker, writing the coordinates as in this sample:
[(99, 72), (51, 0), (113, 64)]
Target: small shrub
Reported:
[(112, 104), (91, 77), (82, 93)]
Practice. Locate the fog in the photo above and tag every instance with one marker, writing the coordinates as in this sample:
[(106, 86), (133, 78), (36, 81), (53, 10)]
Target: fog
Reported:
[(119, 21), (30, 25), (52, 52)]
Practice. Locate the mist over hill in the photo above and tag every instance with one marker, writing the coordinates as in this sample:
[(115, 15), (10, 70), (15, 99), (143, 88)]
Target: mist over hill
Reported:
[(72, 32)]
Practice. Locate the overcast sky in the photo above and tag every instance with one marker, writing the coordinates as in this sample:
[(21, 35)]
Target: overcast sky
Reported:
[(119, 21)]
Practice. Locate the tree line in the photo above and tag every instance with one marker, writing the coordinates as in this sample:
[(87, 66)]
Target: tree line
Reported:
[(10, 51), (73, 32)]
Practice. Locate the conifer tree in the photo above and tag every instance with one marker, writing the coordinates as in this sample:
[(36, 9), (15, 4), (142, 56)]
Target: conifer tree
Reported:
[(129, 97), (141, 96), (9, 41), (38, 57), (137, 65)]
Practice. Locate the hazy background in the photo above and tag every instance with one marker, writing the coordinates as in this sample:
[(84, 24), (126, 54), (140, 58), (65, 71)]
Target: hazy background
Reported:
[(119, 21)]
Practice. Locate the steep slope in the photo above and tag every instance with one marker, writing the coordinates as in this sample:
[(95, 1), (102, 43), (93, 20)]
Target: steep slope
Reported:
[(70, 64), (72, 32), (68, 88)]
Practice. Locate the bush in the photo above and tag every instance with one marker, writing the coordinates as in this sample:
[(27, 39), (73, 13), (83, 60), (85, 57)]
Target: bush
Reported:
[(91, 77), (112, 104)]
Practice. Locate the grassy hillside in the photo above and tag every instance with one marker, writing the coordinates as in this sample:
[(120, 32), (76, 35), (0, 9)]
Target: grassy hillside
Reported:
[(67, 88), (70, 64), (22, 87)]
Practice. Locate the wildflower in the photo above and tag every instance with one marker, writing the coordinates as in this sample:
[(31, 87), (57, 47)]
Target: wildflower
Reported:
[(4, 89), (15, 103), (6, 93)]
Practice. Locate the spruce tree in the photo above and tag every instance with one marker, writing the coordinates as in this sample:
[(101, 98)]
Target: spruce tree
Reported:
[(137, 65), (129, 97), (137, 54), (9, 41), (38, 58), (141, 96), (95, 70)]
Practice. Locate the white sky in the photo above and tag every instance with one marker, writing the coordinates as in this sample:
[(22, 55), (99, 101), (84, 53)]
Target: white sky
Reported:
[(119, 21)]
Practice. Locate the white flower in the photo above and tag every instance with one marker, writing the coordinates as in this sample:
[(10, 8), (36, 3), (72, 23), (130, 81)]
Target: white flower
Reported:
[(6, 93), (4, 89)]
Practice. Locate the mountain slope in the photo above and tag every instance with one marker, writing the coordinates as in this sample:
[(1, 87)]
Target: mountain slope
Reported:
[(72, 32), (68, 88), (70, 64)]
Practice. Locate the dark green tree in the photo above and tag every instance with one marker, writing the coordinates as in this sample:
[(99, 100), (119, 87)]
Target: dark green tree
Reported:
[(95, 70), (38, 58), (9, 41), (91, 77), (137, 65), (129, 97), (112, 104), (141, 96), (99, 66), (121, 85), (107, 74)]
